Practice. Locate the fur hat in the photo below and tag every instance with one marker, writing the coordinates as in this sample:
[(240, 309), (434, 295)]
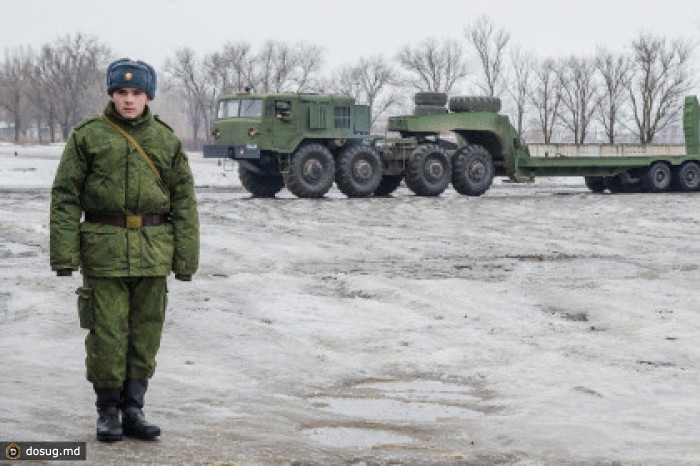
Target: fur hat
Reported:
[(127, 73)]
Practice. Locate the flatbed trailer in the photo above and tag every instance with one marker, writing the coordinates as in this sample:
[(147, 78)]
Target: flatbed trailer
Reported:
[(510, 157)]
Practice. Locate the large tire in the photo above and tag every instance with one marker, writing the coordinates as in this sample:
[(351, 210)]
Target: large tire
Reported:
[(428, 110), (358, 171), (428, 170), (624, 183), (472, 170), (688, 177), (474, 104), (617, 184), (260, 185), (388, 185), (595, 183), (657, 178), (311, 171), (430, 98)]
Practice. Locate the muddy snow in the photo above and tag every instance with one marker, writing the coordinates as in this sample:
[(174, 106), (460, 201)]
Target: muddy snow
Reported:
[(538, 324)]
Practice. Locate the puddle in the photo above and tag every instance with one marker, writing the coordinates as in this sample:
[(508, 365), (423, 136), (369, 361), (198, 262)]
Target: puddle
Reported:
[(382, 404), (388, 410), (353, 437)]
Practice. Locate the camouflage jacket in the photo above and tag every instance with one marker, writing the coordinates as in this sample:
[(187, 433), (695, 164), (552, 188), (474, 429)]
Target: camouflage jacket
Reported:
[(102, 173)]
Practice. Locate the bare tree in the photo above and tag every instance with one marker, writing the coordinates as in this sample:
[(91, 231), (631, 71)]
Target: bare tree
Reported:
[(231, 69), (434, 66), (188, 75), (580, 95), (73, 69), (13, 86), (490, 45), (41, 97), (615, 71), (522, 64), (546, 97), (371, 81), (287, 67), (345, 81), (662, 74), (309, 59)]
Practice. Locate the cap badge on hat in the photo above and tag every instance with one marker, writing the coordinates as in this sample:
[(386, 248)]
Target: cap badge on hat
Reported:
[(128, 76)]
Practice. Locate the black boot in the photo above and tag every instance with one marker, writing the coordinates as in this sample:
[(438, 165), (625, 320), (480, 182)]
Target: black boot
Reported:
[(109, 429), (133, 420)]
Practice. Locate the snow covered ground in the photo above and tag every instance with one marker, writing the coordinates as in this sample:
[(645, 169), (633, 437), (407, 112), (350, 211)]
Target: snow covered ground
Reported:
[(537, 324)]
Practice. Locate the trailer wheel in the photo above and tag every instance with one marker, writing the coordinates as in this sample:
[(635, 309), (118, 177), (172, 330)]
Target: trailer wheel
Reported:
[(428, 170), (472, 170), (474, 104), (595, 183), (260, 185), (657, 178), (311, 171), (688, 177), (430, 98), (358, 171), (388, 185)]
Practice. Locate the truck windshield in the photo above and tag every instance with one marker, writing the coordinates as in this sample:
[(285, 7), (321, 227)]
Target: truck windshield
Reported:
[(228, 108), (251, 108), (248, 108)]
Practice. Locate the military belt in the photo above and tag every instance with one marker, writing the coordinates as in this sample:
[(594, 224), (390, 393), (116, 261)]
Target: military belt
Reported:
[(128, 221)]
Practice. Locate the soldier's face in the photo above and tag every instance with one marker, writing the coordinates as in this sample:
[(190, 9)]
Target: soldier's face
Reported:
[(130, 103)]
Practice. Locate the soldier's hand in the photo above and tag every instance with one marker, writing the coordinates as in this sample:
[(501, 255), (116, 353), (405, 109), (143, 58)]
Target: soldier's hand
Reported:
[(184, 278), (64, 273)]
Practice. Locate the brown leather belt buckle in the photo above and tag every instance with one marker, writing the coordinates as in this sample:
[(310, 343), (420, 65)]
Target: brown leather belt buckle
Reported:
[(134, 221)]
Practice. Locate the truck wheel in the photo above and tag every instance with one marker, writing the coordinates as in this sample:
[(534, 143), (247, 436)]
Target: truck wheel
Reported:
[(358, 171), (428, 110), (614, 184), (595, 183), (388, 185), (474, 104), (657, 178), (472, 170), (428, 170), (311, 171), (688, 177), (430, 98), (260, 185)]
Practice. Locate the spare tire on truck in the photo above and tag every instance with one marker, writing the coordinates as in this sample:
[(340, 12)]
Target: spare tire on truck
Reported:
[(474, 104), (430, 98), (428, 110)]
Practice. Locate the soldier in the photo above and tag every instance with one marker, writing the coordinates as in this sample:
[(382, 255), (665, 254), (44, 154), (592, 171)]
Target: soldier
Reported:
[(127, 173)]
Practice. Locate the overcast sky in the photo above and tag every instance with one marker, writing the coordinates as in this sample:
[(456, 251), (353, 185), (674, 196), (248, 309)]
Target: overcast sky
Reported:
[(153, 29)]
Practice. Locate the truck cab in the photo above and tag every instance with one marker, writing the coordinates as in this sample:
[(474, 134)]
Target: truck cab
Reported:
[(294, 137)]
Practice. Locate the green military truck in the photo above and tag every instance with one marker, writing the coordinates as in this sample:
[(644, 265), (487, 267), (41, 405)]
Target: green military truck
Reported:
[(308, 141)]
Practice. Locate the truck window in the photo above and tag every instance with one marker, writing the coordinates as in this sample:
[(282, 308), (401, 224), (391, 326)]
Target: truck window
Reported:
[(283, 108), (228, 108), (342, 117), (251, 108)]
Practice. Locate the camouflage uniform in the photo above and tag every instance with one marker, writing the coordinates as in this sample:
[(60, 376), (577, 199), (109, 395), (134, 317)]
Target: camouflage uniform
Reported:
[(124, 294)]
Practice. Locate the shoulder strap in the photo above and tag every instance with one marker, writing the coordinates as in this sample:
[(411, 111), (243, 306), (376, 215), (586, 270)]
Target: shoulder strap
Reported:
[(137, 146)]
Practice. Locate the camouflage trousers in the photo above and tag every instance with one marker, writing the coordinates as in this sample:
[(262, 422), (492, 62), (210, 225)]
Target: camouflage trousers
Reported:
[(125, 317)]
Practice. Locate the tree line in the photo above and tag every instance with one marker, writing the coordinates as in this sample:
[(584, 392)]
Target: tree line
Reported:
[(637, 90)]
